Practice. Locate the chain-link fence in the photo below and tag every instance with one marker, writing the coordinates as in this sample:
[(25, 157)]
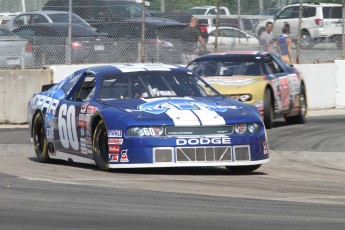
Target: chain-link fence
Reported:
[(107, 31)]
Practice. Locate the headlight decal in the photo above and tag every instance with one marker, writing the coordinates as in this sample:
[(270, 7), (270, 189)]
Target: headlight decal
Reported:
[(146, 131)]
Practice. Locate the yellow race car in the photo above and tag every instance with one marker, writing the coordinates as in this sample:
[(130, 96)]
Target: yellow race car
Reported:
[(258, 78)]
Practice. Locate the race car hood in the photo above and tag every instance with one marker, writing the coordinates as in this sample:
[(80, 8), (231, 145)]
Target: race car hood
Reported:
[(232, 83), (184, 111)]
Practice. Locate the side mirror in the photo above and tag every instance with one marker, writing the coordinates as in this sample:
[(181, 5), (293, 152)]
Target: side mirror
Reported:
[(275, 17)]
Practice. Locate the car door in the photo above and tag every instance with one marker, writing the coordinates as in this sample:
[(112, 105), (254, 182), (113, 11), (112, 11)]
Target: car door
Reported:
[(71, 128), (20, 20), (280, 83)]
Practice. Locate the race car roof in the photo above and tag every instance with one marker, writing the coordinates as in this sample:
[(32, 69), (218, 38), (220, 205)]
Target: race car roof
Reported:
[(133, 67), (238, 55)]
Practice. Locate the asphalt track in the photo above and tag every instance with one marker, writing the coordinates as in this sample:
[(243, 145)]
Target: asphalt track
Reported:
[(303, 187)]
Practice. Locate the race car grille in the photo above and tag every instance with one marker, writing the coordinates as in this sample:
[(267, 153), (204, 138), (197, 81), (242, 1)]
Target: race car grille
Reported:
[(241, 153), (163, 154), (203, 154)]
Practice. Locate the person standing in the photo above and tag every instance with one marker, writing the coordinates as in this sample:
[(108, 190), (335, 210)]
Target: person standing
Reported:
[(285, 44), (190, 37), (266, 38)]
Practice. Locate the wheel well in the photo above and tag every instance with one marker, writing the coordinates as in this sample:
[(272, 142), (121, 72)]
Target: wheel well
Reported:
[(305, 31)]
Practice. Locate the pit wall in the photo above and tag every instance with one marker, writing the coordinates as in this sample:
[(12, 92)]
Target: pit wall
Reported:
[(325, 84), (16, 88)]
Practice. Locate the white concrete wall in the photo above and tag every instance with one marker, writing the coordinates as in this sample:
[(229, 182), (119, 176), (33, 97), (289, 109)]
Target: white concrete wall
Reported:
[(321, 83), (340, 84), (16, 89)]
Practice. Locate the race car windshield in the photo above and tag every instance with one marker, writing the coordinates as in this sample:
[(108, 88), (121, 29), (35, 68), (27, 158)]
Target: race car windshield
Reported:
[(153, 84), (226, 68)]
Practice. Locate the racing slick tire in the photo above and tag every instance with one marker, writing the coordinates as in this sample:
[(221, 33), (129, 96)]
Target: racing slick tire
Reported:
[(243, 169), (100, 146), (300, 118), (39, 139), (268, 109)]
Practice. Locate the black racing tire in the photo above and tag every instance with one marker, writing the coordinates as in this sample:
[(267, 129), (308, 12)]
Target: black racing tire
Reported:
[(100, 146), (39, 139), (300, 118), (243, 169), (268, 109), (306, 40)]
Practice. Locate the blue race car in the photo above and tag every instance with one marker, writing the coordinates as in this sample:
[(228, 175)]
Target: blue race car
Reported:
[(145, 115)]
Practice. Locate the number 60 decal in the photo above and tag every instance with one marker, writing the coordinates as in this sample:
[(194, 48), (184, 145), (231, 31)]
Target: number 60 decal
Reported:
[(67, 127)]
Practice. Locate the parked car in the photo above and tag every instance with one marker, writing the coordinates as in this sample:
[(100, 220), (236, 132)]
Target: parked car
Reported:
[(144, 116), (162, 41), (208, 10), (257, 78), (184, 17), (6, 16), (99, 10), (230, 38), (34, 17), (15, 52), (49, 43), (244, 24), (321, 21)]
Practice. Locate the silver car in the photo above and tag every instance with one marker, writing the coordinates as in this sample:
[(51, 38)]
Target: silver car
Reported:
[(15, 52), (34, 17)]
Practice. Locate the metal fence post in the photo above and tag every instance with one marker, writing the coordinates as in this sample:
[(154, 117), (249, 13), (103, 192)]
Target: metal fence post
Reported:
[(343, 31), (69, 38), (142, 48), (298, 48)]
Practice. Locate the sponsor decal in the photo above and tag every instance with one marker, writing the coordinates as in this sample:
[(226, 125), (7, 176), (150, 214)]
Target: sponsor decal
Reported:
[(91, 109), (88, 133), (204, 141), (84, 107), (81, 116), (82, 142), (114, 133), (124, 157), (114, 157), (44, 103), (82, 131), (88, 140), (81, 123), (83, 150), (114, 148), (115, 141), (162, 106)]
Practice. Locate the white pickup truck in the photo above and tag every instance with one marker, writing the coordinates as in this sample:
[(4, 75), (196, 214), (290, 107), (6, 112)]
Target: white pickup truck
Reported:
[(208, 10)]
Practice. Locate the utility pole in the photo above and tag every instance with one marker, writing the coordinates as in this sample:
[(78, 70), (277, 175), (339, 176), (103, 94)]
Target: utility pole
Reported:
[(342, 34), (162, 6), (142, 47), (23, 6), (217, 26), (261, 7), (298, 50)]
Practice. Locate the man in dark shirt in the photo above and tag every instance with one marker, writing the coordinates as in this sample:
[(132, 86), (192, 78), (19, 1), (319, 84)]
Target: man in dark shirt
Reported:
[(190, 36)]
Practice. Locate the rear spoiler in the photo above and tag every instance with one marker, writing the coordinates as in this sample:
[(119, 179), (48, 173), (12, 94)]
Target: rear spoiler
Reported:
[(46, 87)]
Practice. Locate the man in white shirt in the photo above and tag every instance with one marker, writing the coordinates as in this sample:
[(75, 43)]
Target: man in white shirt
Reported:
[(266, 38)]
